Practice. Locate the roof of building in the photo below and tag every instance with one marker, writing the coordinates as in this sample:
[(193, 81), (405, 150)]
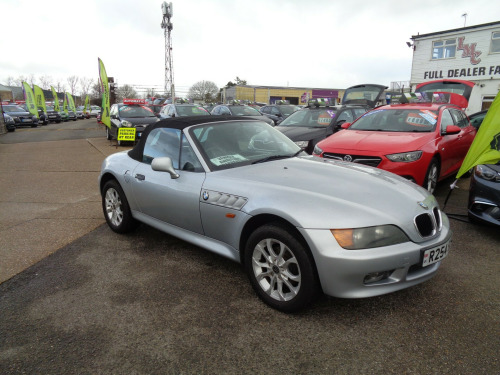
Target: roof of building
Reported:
[(484, 25)]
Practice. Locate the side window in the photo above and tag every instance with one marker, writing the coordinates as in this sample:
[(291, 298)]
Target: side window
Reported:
[(275, 111), (189, 161), (345, 116), (460, 118), (359, 112), (171, 110), (264, 109), (216, 110), (163, 142), (446, 120), (225, 111)]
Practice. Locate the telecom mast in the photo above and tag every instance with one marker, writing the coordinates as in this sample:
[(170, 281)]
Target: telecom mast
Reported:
[(166, 25)]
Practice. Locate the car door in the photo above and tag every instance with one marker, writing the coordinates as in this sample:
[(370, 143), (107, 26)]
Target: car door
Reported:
[(466, 135), (449, 144), (157, 194), (114, 120)]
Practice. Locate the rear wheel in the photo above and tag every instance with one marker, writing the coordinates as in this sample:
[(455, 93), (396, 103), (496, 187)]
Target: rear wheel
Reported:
[(432, 176), (280, 268), (116, 209)]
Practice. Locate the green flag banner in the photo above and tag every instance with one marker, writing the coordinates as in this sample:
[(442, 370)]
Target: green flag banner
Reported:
[(485, 149), (71, 102), (87, 103), (39, 98), (56, 100), (65, 104), (29, 97), (105, 94)]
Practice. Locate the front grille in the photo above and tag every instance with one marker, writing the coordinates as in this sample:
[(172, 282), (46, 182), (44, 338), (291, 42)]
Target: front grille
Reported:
[(372, 161), (429, 223)]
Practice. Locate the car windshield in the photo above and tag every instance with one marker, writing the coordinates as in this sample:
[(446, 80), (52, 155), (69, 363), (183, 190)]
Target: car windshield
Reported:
[(50, 108), (288, 109), (397, 120), (310, 118), (244, 110), (191, 110), (134, 111), (13, 108), (232, 144)]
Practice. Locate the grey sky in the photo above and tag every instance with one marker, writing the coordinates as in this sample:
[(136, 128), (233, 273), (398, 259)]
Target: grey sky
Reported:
[(322, 43)]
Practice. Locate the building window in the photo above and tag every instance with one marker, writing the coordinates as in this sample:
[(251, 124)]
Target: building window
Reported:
[(444, 49), (495, 42)]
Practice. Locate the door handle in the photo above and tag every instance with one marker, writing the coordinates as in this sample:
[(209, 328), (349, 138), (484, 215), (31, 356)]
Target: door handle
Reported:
[(140, 177)]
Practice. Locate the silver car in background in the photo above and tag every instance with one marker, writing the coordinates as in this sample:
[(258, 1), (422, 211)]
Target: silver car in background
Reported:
[(299, 224)]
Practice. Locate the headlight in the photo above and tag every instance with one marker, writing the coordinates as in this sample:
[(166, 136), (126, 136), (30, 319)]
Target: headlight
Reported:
[(405, 157), (127, 124), (8, 119), (317, 150), (487, 173), (302, 144), (370, 237)]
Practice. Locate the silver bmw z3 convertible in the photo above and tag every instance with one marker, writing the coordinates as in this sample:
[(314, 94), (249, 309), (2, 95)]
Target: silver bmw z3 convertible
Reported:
[(299, 224)]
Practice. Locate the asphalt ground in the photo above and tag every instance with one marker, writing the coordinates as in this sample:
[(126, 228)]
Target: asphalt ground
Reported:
[(81, 299)]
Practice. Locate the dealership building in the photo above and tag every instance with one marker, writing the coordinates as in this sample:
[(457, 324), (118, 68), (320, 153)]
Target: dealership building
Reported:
[(270, 94), (470, 53)]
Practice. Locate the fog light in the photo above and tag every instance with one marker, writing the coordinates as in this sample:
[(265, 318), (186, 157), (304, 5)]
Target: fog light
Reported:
[(376, 276)]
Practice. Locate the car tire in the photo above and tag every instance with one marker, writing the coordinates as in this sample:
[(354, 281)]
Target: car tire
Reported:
[(58, 122), (116, 208), (12, 130), (432, 176), (34, 125), (285, 280)]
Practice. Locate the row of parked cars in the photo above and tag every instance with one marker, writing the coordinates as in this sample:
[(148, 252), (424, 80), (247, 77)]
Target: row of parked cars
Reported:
[(18, 115)]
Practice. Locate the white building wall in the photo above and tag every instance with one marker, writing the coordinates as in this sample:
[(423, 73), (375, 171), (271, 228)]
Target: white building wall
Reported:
[(483, 67)]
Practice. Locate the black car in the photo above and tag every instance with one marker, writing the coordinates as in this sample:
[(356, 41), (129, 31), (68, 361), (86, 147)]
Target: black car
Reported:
[(182, 110), (129, 114), (10, 125), (484, 194), (43, 118), (53, 115), (320, 119), (477, 118), (278, 112), (20, 116), (240, 110), (71, 115)]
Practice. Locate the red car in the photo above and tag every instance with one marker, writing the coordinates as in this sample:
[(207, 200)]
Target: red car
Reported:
[(423, 142)]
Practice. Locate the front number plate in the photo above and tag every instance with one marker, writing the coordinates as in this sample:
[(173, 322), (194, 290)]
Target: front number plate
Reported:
[(435, 254)]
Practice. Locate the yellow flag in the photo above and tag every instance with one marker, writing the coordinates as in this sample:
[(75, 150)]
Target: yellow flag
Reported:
[(29, 97), (56, 100), (105, 95), (39, 98), (485, 149)]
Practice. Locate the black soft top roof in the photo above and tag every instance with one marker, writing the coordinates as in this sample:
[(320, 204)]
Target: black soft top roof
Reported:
[(179, 123)]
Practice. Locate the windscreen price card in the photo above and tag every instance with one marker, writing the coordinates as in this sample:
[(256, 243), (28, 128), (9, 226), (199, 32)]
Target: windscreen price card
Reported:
[(126, 134)]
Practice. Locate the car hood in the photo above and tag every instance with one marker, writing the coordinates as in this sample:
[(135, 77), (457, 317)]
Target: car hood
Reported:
[(19, 113), (315, 193), (141, 120), (375, 141), (300, 133)]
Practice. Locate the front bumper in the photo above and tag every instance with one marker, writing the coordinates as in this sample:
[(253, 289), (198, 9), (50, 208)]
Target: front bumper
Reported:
[(484, 200), (342, 272)]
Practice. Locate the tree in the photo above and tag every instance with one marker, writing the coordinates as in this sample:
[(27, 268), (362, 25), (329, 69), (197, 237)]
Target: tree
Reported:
[(45, 82), (239, 82), (85, 86), (126, 91), (72, 82), (203, 90), (10, 81)]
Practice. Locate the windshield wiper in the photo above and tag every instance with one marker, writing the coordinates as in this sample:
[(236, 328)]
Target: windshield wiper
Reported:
[(277, 157)]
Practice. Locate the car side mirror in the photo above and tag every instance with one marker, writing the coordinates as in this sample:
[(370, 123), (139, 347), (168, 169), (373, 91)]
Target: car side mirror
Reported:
[(345, 125), (452, 129), (164, 164)]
